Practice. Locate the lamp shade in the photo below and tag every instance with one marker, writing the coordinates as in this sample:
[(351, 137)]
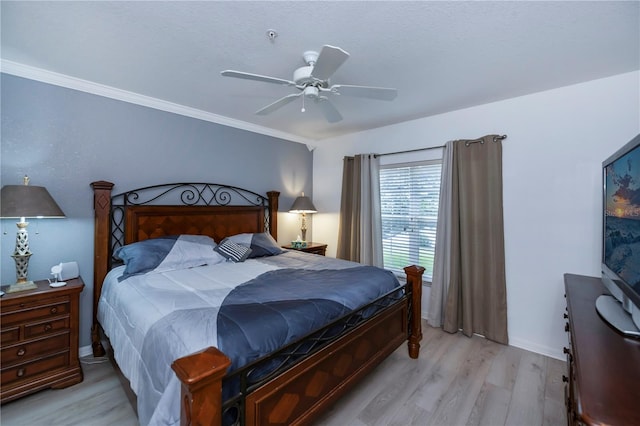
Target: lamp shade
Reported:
[(303, 204), (17, 201)]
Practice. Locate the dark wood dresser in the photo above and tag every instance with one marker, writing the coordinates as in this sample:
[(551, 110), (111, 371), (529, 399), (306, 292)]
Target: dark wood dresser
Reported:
[(39, 345), (603, 386)]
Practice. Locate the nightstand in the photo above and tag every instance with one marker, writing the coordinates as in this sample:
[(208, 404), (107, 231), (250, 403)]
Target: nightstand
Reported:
[(314, 248), (39, 343)]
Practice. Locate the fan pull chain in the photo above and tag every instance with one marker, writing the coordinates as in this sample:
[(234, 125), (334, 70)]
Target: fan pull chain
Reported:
[(303, 110)]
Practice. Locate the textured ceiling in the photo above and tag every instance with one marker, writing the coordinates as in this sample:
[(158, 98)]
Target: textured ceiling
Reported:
[(441, 56)]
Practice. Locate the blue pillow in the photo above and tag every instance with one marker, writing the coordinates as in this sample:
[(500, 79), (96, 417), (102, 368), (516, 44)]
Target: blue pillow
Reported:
[(167, 254), (233, 251), (261, 244)]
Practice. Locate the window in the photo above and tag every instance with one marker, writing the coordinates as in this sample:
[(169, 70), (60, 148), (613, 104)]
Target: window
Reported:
[(409, 195)]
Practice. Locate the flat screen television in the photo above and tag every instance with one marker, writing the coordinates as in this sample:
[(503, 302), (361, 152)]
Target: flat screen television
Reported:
[(621, 239)]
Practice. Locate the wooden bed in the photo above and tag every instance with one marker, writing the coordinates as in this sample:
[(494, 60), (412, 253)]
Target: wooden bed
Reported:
[(297, 394)]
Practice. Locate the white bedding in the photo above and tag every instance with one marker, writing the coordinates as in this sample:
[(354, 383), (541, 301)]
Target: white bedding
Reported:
[(129, 308)]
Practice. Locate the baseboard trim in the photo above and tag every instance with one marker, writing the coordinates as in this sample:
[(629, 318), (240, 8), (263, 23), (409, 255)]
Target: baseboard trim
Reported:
[(539, 349), (85, 351)]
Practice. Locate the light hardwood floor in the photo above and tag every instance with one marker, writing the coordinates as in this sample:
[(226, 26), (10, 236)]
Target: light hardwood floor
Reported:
[(456, 381)]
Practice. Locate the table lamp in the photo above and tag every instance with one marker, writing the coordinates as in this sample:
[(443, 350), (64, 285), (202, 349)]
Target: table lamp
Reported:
[(303, 205), (20, 202)]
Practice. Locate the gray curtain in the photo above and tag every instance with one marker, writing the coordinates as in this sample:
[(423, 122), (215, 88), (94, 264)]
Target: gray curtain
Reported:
[(476, 297), (442, 258), (360, 229)]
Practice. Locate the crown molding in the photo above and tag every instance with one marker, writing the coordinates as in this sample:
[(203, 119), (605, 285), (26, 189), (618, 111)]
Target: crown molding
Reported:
[(63, 80)]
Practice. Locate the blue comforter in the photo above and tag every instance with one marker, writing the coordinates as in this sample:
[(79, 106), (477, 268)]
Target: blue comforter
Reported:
[(260, 316), (281, 306)]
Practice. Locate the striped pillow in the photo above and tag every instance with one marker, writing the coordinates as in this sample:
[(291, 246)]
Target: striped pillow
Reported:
[(230, 250), (261, 244)]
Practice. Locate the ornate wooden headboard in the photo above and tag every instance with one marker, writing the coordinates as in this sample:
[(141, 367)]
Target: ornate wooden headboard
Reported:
[(172, 209)]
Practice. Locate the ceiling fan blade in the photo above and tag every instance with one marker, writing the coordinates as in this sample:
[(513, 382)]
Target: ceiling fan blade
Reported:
[(278, 104), (330, 112), (328, 62), (257, 77), (380, 93)]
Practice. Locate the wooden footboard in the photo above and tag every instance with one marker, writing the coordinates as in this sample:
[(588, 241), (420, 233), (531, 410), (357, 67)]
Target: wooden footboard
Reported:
[(302, 393), (298, 395)]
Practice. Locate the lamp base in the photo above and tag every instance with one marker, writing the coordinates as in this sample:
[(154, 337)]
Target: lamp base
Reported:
[(27, 285)]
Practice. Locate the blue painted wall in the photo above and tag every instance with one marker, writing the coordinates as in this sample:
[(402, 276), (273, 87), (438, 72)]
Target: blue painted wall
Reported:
[(64, 139)]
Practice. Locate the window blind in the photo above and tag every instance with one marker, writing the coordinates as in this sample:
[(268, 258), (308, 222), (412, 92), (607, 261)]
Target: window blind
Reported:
[(409, 196)]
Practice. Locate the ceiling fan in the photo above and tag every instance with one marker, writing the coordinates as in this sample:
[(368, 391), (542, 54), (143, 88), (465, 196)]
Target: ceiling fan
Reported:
[(312, 81)]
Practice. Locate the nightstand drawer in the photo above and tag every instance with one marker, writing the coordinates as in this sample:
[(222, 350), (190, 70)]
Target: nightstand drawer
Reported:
[(15, 334), (10, 335), (317, 250), (41, 311), (26, 351), (28, 370), (45, 327)]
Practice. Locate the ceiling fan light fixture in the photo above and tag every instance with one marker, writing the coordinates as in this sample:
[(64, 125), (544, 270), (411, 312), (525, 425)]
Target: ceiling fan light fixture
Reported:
[(311, 91)]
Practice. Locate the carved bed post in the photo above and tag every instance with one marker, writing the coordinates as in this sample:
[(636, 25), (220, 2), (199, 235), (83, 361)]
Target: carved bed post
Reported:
[(102, 207), (201, 376), (414, 280), (273, 213)]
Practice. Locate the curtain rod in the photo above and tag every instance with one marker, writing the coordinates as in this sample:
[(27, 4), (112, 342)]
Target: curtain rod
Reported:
[(495, 139), (467, 143), (411, 150)]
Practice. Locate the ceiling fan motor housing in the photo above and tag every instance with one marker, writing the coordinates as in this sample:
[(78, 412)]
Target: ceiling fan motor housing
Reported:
[(302, 77)]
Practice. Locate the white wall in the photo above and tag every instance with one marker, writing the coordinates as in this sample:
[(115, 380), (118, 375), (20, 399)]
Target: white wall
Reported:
[(552, 159)]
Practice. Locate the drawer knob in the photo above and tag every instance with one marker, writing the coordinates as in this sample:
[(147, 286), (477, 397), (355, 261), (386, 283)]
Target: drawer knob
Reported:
[(566, 327), (54, 310), (565, 315), (566, 350), (565, 378), (21, 372), (48, 327), (21, 352)]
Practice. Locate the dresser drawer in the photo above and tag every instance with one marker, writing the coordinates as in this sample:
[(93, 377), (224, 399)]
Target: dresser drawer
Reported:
[(27, 371), (36, 348), (41, 311)]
